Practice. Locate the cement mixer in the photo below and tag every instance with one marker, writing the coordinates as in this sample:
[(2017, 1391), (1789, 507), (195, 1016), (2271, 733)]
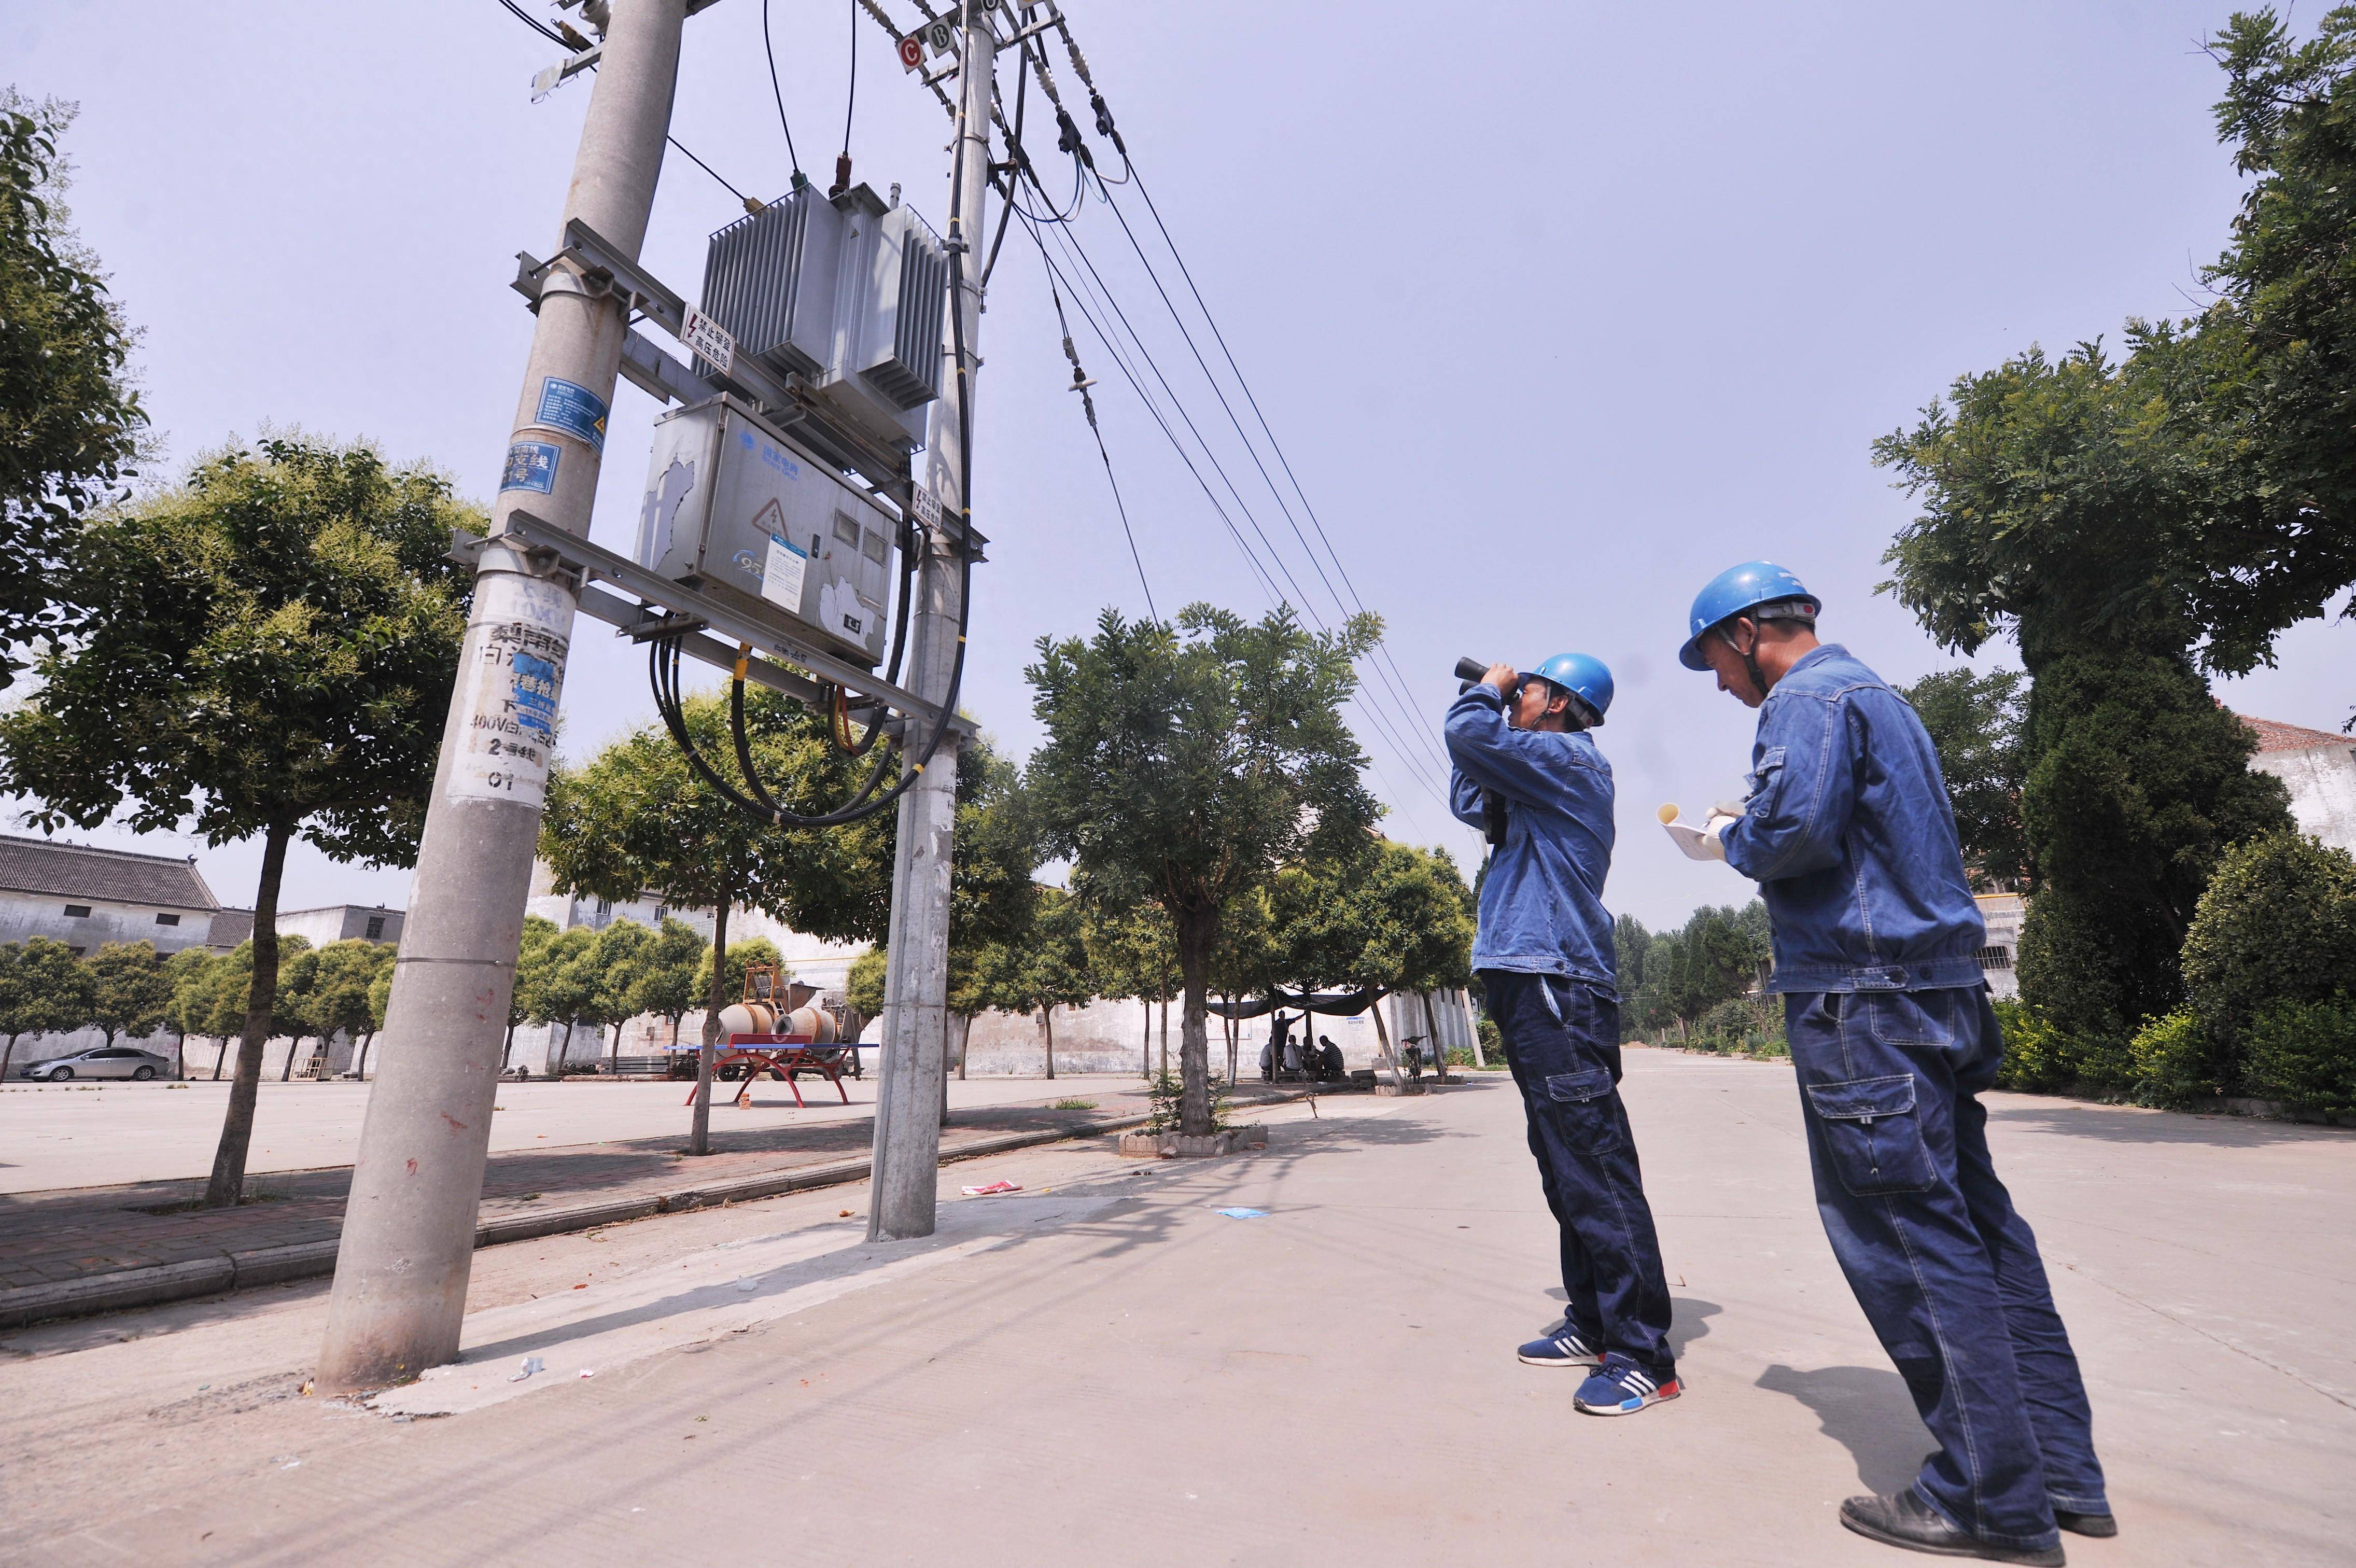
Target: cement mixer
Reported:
[(811, 1023)]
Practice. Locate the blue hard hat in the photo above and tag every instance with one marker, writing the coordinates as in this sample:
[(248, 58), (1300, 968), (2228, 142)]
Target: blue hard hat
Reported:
[(1582, 674), (1733, 591)]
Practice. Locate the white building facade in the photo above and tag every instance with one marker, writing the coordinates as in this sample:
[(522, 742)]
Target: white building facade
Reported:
[(2319, 768)]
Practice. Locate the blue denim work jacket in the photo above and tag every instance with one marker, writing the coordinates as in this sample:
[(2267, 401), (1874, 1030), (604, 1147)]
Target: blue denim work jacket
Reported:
[(1850, 833), (1542, 902)]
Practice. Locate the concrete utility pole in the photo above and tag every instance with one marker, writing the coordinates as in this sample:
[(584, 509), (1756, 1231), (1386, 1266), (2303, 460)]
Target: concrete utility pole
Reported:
[(409, 1229), (908, 1100)]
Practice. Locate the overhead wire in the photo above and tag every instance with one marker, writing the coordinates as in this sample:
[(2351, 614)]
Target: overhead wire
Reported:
[(1390, 678), (779, 91), (1376, 714)]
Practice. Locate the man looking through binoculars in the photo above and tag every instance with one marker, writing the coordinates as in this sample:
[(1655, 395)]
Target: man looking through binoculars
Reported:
[(1545, 957)]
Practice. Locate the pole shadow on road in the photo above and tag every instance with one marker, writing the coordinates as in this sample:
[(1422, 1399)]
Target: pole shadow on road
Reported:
[(1866, 1410)]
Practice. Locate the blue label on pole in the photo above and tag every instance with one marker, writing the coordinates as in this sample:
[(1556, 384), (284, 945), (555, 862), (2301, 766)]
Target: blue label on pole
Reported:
[(574, 409), (531, 466)]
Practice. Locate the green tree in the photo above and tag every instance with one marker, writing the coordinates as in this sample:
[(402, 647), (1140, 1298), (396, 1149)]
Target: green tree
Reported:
[(1977, 722), (129, 990), (522, 996), (1713, 958), (1042, 969), (664, 983), (563, 986), (2275, 927), (1133, 952), (233, 1012), (1399, 920), (1187, 762), (742, 956), (865, 990), (267, 648), (379, 997), (334, 994), (617, 959), (2286, 292), (189, 972), (70, 418), (44, 990)]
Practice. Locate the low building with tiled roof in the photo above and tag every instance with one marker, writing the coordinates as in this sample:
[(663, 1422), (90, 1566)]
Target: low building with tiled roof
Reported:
[(85, 896), (2319, 768)]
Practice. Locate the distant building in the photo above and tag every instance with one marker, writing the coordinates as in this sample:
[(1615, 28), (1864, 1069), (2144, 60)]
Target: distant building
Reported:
[(86, 897), (338, 923), (2319, 768)]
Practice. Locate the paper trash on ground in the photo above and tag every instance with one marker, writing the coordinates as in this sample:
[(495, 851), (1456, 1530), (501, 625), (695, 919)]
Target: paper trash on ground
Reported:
[(992, 1191)]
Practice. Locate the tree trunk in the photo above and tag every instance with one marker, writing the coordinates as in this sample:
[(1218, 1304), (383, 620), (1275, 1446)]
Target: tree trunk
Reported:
[(1232, 1028), (699, 1138), (228, 1184), (287, 1073), (221, 1054), (1432, 1037), (7, 1056), (1198, 935), (179, 1058), (1389, 1056), (965, 1038), (359, 1067), (1047, 1022), (1145, 1055), (506, 1050), (1480, 1057), (1165, 1033)]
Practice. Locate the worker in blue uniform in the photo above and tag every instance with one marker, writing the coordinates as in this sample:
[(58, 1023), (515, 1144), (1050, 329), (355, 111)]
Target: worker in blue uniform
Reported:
[(1850, 833), (1519, 743)]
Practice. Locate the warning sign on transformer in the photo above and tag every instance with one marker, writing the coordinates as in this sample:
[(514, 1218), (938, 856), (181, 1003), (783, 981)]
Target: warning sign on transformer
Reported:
[(514, 672)]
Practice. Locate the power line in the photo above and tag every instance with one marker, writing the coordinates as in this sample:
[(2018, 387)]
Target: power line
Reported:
[(1080, 385), (1373, 713), (850, 98), (779, 92)]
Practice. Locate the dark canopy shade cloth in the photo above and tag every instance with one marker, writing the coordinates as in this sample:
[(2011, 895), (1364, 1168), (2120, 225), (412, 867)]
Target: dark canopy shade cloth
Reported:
[(1342, 1003)]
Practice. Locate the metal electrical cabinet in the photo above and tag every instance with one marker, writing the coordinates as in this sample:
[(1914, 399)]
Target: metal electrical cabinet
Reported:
[(736, 509)]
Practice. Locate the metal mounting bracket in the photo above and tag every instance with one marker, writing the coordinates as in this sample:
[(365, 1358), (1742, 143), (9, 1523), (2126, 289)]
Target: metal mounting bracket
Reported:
[(677, 605)]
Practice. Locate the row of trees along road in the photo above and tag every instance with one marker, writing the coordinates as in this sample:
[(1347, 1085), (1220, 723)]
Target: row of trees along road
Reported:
[(1395, 918), (127, 991), (263, 649), (2139, 521)]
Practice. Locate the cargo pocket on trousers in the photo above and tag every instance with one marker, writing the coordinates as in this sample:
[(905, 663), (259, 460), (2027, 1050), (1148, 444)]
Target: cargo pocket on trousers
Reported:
[(1583, 1106), (1874, 1139)]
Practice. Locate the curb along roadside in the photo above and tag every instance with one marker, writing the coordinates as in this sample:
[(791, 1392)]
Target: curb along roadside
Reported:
[(155, 1284)]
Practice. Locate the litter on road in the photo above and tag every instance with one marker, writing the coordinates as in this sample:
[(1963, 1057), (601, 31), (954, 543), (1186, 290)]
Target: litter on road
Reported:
[(992, 1191)]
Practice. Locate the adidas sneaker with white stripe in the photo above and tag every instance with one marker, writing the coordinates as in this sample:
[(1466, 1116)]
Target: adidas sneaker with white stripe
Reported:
[(1621, 1386), (1563, 1347)]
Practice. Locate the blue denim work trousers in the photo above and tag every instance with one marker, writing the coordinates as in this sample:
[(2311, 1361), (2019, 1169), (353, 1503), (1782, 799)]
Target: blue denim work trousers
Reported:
[(1947, 1272), (1562, 1040)]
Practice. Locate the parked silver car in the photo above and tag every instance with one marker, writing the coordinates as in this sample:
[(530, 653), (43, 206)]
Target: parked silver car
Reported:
[(102, 1061)]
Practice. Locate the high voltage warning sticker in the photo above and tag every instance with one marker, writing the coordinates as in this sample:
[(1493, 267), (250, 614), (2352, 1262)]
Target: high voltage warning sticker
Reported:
[(516, 643)]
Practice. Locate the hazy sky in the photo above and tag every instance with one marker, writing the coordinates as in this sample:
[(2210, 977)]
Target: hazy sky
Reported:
[(1557, 310)]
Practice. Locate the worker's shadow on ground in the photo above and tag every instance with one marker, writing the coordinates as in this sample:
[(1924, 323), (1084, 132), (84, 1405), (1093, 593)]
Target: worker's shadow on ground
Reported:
[(1866, 1410)]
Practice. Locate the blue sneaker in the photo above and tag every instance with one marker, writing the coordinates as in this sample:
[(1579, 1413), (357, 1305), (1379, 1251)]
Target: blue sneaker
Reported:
[(1563, 1347), (1621, 1386)]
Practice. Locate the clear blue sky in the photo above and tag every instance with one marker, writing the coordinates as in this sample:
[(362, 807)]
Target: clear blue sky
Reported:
[(1557, 310)]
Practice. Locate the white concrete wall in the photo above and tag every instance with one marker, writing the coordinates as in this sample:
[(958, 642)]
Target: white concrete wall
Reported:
[(2322, 784), (23, 915)]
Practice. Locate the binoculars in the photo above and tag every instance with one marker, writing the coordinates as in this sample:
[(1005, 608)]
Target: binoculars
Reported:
[(1492, 805)]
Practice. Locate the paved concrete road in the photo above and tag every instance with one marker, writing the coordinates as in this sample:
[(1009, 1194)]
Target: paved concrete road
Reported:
[(86, 1135), (1106, 1371)]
